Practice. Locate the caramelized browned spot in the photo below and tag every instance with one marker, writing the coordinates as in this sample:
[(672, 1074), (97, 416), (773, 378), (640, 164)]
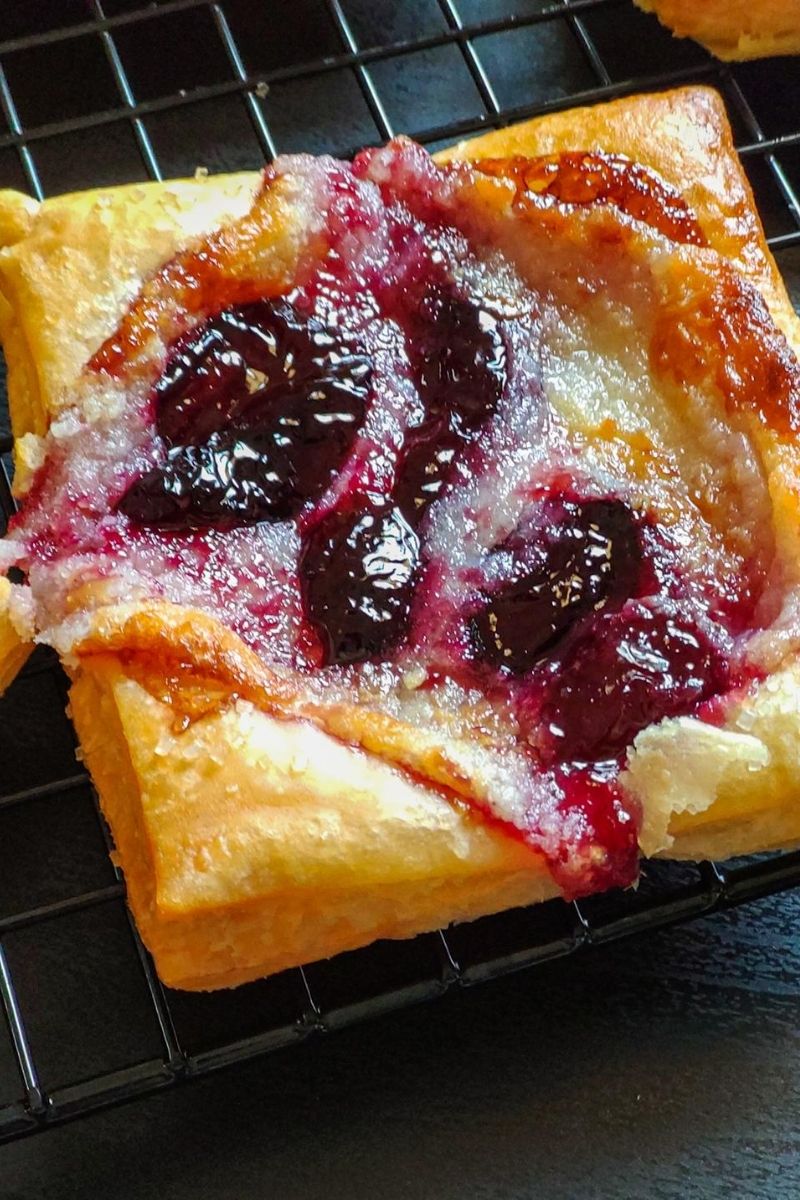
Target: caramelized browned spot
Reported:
[(725, 332), (188, 660), (189, 693), (596, 178), (250, 259)]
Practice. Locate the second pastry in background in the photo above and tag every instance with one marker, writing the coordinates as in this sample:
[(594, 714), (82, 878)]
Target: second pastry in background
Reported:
[(733, 29)]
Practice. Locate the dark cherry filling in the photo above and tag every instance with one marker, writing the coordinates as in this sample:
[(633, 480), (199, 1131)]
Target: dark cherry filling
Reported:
[(460, 364), (585, 558), (461, 359), (359, 568), (426, 467), (258, 407), (632, 668)]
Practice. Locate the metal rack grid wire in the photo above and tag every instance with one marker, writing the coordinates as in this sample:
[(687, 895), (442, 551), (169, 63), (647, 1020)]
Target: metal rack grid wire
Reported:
[(119, 91)]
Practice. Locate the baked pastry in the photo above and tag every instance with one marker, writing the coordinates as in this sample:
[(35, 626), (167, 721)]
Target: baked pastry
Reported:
[(421, 537), (14, 649), (733, 29)]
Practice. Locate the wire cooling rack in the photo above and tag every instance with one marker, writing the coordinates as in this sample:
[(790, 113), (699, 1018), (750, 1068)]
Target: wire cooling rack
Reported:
[(119, 91)]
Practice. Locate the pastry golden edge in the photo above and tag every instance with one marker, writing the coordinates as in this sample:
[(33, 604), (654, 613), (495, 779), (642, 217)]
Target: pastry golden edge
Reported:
[(14, 648), (733, 29), (264, 855)]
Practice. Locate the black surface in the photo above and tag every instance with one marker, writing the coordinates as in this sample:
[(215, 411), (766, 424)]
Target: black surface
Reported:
[(663, 1067)]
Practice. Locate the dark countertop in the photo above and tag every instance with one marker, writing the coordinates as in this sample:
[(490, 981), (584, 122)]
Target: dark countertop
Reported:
[(664, 1067)]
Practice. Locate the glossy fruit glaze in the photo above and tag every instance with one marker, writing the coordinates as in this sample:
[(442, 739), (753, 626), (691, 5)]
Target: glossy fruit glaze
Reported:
[(597, 178), (257, 410), (363, 477)]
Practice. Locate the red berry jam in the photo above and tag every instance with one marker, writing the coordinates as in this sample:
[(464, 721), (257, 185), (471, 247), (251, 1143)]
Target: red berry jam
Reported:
[(604, 829)]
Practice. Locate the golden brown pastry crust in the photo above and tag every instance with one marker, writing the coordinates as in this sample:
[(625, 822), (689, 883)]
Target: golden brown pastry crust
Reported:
[(261, 858), (684, 135), (14, 648), (73, 264), (733, 29), (252, 843)]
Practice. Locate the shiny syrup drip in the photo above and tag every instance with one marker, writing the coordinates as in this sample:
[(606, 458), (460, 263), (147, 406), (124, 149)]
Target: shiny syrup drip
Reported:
[(605, 828)]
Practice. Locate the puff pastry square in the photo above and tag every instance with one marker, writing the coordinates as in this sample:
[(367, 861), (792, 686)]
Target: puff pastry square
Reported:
[(420, 535)]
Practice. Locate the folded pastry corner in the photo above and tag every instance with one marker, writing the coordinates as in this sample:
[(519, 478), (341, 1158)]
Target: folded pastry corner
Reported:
[(421, 536), (252, 842)]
